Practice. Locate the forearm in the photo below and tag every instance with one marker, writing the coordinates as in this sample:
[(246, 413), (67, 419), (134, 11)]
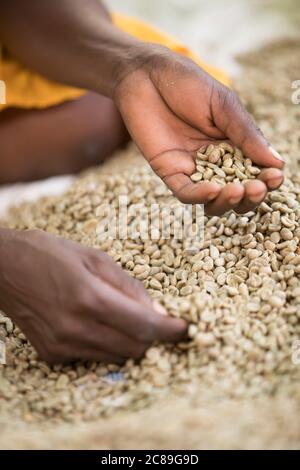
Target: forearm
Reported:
[(4, 232), (70, 41), (6, 237)]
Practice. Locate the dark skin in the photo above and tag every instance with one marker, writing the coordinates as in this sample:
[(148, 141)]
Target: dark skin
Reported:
[(79, 304), (62, 139), (74, 302)]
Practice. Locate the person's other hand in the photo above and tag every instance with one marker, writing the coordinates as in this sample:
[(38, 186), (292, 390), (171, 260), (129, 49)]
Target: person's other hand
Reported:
[(171, 108), (74, 302)]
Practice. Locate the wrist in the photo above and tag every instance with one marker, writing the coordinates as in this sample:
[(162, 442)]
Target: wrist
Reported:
[(140, 58), (116, 55), (9, 238)]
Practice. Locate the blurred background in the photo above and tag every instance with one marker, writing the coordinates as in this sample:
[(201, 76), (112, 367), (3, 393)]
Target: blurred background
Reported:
[(217, 30)]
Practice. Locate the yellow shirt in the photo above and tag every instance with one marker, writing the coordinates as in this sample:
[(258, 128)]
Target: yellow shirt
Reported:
[(27, 89)]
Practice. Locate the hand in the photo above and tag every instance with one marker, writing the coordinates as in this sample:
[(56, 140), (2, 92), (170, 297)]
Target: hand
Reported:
[(74, 302), (171, 108)]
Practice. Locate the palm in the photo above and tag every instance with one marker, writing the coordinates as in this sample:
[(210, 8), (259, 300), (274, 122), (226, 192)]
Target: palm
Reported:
[(170, 113)]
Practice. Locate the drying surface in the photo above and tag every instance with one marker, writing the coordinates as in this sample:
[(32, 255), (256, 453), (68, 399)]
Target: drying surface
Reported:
[(210, 391)]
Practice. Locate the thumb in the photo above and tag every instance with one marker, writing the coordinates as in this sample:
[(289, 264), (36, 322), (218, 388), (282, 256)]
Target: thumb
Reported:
[(237, 125)]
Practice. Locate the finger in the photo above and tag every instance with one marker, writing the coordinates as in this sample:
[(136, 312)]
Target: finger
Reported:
[(191, 193), (104, 267), (272, 177), (228, 199), (117, 277), (103, 338), (179, 182), (131, 317), (180, 159), (231, 117), (255, 193)]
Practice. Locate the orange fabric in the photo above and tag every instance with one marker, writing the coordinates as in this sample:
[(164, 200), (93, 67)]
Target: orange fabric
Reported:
[(149, 33), (27, 89)]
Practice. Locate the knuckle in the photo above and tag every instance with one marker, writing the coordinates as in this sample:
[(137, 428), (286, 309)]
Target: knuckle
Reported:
[(61, 331), (85, 298), (70, 330), (98, 257)]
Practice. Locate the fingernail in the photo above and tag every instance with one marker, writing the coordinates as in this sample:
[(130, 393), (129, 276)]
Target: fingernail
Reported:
[(159, 308), (276, 154)]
